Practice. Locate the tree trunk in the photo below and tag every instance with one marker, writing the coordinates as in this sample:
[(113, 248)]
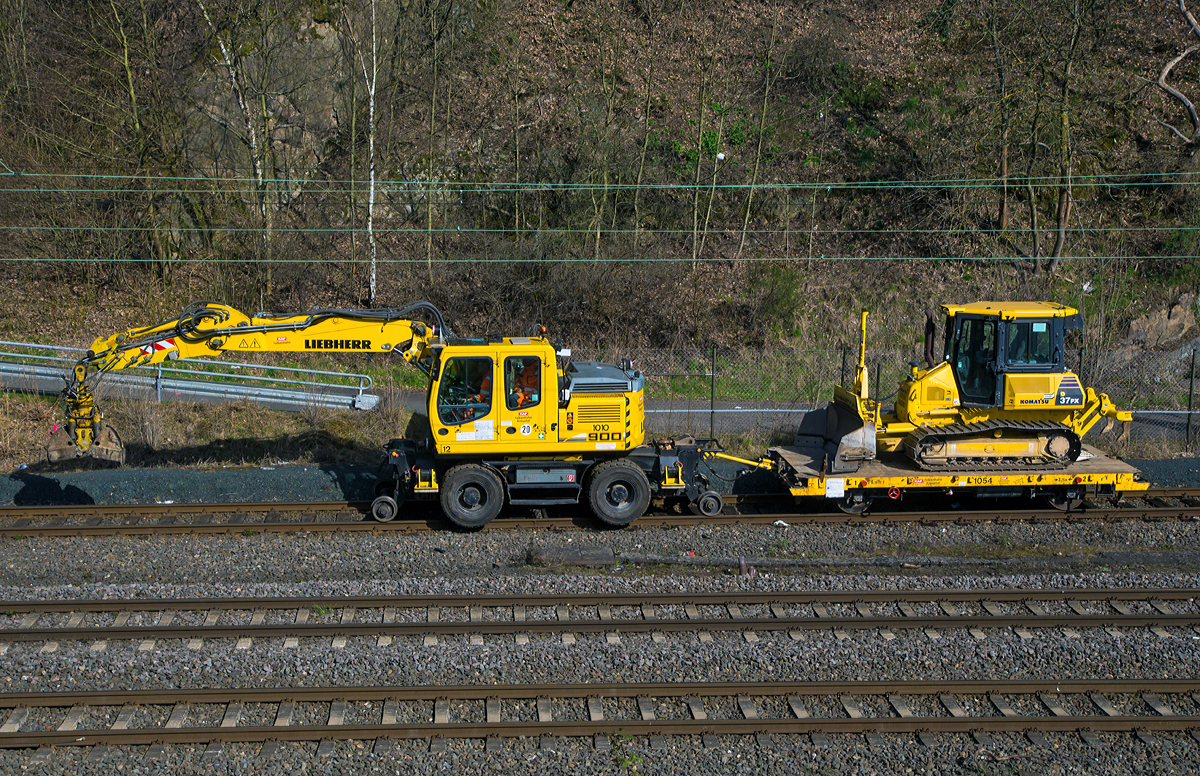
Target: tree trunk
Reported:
[(1063, 213), (762, 126)]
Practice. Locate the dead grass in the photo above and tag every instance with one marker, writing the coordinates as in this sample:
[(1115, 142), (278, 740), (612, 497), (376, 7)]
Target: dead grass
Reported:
[(180, 434)]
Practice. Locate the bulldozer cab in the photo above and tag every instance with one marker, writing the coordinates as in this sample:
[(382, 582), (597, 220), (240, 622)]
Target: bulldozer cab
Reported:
[(988, 341)]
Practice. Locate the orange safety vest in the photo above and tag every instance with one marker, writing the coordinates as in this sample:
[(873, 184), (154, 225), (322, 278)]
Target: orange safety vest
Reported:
[(527, 386)]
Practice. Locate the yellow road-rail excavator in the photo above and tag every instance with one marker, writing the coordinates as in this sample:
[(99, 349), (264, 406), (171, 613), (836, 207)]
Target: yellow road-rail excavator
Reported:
[(999, 399), (508, 424)]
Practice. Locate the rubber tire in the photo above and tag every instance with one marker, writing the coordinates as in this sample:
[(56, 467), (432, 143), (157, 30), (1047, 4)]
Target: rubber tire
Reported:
[(384, 509), (710, 503), (618, 492), (465, 480)]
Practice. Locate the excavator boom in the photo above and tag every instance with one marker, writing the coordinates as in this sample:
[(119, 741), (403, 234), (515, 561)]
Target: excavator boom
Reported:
[(206, 329)]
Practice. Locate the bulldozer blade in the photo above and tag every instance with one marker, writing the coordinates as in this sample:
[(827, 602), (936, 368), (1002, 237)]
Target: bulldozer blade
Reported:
[(61, 446), (107, 446)]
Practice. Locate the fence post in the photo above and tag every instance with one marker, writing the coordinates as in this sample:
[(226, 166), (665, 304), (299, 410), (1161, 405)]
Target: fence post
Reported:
[(1191, 399), (712, 397), (842, 380), (158, 383), (1082, 377)]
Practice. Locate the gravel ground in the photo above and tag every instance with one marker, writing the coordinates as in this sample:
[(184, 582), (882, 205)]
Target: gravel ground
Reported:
[(285, 482), (307, 564), (307, 556), (864, 656)]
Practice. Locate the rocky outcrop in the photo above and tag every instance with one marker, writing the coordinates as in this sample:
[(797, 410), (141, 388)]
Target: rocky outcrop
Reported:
[(1164, 329)]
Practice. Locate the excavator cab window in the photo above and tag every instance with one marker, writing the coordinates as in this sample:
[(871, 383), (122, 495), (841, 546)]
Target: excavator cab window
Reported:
[(522, 381), (975, 360), (465, 391)]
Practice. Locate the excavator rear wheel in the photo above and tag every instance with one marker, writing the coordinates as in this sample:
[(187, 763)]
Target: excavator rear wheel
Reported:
[(472, 495), (618, 492)]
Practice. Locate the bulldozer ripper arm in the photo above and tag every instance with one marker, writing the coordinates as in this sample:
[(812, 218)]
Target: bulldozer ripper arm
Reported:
[(206, 329), (1095, 407)]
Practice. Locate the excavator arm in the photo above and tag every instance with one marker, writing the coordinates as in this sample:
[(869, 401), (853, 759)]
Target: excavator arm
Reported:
[(207, 329)]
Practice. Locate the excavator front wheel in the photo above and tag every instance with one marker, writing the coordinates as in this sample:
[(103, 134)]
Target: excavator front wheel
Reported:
[(472, 495)]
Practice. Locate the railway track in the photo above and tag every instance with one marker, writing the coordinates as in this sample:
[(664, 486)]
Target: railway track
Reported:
[(283, 517), (386, 618), (600, 711)]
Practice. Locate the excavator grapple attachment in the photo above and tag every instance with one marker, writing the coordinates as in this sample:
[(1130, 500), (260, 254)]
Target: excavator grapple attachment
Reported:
[(105, 445), (61, 446)]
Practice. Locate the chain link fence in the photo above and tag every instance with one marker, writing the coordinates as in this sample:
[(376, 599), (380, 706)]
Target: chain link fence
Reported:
[(715, 391)]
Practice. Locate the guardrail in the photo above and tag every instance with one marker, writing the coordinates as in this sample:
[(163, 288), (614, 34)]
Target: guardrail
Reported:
[(41, 373)]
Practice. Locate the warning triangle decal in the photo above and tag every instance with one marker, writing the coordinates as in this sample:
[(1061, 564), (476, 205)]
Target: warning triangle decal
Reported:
[(249, 345)]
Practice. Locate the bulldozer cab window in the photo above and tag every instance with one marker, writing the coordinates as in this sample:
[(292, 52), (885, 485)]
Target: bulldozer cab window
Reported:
[(975, 360), (1029, 344), (522, 381), (465, 390)]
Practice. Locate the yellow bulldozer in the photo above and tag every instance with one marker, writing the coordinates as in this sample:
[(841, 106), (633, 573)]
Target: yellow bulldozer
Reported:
[(1000, 398)]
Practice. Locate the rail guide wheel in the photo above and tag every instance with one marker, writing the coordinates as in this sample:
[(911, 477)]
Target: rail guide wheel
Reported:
[(384, 509), (710, 503), (472, 495), (855, 503)]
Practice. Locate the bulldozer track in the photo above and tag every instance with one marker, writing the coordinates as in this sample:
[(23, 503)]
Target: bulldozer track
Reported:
[(600, 711), (324, 516), (915, 440)]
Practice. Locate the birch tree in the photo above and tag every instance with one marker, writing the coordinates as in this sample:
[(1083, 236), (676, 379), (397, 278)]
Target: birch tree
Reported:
[(370, 74)]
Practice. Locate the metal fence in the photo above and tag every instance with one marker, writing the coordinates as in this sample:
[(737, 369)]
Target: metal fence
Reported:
[(42, 368)]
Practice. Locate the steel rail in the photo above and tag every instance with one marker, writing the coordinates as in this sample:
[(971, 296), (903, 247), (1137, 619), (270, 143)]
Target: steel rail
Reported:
[(493, 628), (409, 731), (59, 527), (613, 599), (649, 622), (495, 728)]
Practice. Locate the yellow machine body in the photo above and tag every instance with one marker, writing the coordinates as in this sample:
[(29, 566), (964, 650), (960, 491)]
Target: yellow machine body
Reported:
[(1000, 398), (523, 412)]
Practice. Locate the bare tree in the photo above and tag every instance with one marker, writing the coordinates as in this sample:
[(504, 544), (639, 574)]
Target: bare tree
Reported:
[(770, 74), (1165, 73), (991, 12), (370, 74), (1078, 12)]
